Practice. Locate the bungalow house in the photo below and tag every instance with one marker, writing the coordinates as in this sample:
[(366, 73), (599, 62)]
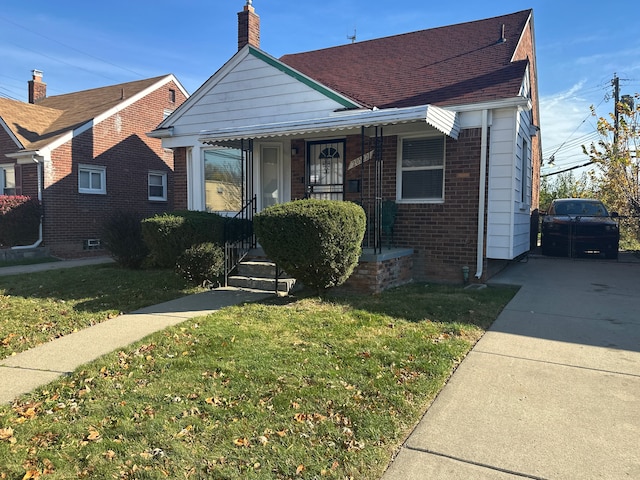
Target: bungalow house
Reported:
[(440, 124), (85, 155)]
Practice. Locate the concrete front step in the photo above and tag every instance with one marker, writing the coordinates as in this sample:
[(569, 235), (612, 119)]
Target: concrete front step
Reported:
[(257, 268), (259, 273), (285, 285)]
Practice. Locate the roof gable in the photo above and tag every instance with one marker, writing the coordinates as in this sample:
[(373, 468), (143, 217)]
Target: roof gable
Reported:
[(252, 88), (52, 118), (452, 65)]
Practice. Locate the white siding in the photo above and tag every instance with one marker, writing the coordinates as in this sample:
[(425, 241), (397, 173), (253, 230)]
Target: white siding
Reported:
[(251, 92), (501, 174), (508, 217)]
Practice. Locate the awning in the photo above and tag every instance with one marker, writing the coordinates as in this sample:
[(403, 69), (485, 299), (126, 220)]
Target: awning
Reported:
[(445, 121)]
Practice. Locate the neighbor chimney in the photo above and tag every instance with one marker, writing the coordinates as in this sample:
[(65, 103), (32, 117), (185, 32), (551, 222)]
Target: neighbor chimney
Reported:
[(37, 89), (248, 27)]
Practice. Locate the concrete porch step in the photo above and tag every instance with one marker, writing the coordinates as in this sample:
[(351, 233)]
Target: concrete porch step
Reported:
[(285, 285), (259, 273)]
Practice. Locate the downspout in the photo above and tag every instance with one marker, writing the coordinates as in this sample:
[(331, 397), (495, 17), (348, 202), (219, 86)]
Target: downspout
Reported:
[(39, 241), (482, 193)]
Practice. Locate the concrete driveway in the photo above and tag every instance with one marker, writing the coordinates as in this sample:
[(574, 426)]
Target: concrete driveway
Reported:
[(552, 391)]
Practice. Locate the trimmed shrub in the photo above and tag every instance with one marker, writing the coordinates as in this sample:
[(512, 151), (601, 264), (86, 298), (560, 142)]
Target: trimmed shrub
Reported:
[(122, 236), (19, 220), (168, 235), (316, 241), (202, 264)]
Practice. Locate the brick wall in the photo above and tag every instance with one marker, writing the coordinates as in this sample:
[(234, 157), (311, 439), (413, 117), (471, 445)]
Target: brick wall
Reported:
[(180, 200), (120, 144), (377, 273), (444, 235)]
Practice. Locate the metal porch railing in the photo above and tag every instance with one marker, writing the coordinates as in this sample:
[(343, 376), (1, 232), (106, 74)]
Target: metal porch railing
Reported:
[(239, 237)]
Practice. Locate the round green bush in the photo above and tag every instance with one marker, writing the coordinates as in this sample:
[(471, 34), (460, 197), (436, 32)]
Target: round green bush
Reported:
[(201, 264), (319, 242)]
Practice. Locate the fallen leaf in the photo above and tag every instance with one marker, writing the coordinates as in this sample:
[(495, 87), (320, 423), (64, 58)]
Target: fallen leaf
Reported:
[(94, 435), (241, 442), (299, 469), (6, 433)]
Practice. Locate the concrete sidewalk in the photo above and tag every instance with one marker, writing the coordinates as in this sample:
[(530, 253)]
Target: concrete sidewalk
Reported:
[(25, 371), (41, 267), (552, 390)]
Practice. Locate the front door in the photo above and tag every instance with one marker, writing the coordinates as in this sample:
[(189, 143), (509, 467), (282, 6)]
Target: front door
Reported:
[(325, 170)]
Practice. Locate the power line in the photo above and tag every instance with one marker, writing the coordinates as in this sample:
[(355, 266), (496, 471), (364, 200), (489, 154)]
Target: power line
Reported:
[(71, 48)]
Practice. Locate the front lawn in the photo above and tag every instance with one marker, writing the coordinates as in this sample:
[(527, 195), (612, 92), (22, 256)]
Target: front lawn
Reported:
[(292, 388), (39, 307)]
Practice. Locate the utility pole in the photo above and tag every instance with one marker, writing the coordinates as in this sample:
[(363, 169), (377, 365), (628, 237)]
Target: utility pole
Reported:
[(616, 95)]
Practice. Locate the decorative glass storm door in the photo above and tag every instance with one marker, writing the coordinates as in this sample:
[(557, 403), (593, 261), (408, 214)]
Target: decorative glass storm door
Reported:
[(325, 170), (269, 175)]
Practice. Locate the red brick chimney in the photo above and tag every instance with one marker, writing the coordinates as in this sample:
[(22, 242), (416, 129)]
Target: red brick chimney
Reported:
[(248, 27), (37, 89)]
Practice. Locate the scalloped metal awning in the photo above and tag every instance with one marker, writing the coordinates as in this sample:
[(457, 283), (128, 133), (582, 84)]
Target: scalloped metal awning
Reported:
[(445, 121)]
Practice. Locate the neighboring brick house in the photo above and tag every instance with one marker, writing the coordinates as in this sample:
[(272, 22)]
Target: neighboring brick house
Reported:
[(86, 155), (443, 122)]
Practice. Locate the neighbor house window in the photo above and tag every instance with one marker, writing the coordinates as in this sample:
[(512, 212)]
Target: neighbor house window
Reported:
[(7, 179), (172, 95), (92, 179), (157, 186), (421, 169)]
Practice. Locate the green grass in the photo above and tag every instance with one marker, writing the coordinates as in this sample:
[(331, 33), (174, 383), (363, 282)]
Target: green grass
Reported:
[(292, 388), (41, 306)]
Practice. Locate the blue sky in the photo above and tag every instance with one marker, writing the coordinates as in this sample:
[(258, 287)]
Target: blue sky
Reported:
[(81, 45)]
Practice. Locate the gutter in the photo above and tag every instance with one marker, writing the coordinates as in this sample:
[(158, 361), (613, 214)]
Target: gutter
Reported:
[(482, 194)]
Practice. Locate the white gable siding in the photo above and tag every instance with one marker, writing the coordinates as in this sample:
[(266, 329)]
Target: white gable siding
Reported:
[(507, 216), (522, 218), (253, 92), (501, 174)]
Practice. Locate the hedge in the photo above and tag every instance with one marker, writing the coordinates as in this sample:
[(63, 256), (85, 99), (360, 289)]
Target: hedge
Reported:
[(319, 242), (19, 220)]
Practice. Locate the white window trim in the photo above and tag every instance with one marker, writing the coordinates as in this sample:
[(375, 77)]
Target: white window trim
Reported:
[(3, 168), (93, 169), (163, 175), (399, 170)]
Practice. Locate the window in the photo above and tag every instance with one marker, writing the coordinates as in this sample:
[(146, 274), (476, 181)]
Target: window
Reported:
[(421, 169), (157, 186), (166, 112), (7, 180), (524, 171), (172, 95), (92, 179), (223, 176)]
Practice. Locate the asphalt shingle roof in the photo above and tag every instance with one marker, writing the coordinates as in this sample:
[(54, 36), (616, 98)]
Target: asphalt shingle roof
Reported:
[(36, 125), (451, 65)]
